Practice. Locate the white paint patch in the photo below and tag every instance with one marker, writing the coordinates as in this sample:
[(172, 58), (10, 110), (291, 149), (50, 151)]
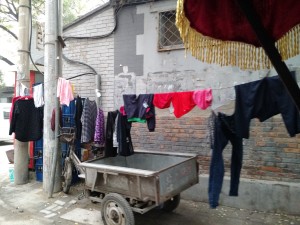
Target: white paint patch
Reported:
[(45, 211), (51, 207), (58, 202), (50, 215), (84, 216)]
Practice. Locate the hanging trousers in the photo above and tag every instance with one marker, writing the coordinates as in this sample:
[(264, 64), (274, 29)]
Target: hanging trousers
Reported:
[(223, 132)]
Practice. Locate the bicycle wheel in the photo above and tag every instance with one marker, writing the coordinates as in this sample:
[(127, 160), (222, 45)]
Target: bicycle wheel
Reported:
[(67, 175)]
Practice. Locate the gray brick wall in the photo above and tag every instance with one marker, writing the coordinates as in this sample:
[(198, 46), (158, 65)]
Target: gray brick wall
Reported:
[(98, 53)]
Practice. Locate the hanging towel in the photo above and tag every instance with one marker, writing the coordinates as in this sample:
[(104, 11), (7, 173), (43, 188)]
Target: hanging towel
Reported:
[(64, 91), (183, 103), (203, 98), (38, 95), (162, 100)]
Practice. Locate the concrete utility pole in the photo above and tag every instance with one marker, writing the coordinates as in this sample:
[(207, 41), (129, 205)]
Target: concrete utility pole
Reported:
[(21, 156), (51, 146)]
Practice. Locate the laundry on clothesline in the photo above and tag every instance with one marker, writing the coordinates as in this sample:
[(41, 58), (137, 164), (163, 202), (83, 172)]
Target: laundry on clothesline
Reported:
[(64, 91)]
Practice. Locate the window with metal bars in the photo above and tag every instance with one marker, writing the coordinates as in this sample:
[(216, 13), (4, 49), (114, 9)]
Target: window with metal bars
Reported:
[(168, 37)]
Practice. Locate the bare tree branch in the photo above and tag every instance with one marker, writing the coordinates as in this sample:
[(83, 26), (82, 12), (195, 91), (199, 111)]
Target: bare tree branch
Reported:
[(15, 8), (6, 60), (8, 31)]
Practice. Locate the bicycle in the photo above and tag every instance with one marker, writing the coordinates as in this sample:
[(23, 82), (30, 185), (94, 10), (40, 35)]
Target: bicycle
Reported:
[(68, 135)]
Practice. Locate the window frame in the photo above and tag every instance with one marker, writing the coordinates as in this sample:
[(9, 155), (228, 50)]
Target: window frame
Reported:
[(161, 48)]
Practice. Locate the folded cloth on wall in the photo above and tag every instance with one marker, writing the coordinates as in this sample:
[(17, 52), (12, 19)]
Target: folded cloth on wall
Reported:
[(263, 99)]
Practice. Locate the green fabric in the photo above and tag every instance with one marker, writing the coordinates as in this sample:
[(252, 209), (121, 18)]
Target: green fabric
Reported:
[(135, 119)]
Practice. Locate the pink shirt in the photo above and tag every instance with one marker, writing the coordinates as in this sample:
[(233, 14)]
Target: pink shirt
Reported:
[(64, 91)]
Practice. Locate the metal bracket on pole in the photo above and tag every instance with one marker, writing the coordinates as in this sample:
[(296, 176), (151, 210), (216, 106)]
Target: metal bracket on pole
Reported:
[(61, 40)]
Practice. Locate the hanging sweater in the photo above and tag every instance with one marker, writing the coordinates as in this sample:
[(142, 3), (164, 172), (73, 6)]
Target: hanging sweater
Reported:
[(140, 108), (27, 121)]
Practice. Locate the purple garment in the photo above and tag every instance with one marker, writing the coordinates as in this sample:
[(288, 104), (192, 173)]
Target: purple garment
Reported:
[(99, 128)]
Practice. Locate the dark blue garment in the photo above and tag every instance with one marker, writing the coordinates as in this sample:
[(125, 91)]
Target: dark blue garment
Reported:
[(263, 99), (124, 136), (110, 150), (224, 131), (140, 107)]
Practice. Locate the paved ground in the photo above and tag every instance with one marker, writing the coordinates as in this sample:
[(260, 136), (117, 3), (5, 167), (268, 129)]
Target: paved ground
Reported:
[(28, 205)]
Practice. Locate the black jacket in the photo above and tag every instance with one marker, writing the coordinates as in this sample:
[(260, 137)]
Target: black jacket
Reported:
[(27, 121)]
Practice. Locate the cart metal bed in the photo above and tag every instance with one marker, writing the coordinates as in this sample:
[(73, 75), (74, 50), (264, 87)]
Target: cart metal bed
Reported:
[(138, 183)]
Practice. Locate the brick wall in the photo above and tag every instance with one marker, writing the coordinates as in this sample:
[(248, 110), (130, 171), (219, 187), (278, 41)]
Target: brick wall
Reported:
[(98, 53), (269, 153)]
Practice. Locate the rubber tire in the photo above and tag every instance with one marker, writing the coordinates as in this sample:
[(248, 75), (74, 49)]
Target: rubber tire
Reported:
[(67, 176), (171, 204), (120, 202)]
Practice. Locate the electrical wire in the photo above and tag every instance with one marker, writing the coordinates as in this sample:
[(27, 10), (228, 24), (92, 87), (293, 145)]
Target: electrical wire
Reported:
[(98, 36), (94, 38), (79, 63)]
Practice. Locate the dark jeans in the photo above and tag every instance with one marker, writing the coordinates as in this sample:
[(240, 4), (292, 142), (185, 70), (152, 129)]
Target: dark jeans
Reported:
[(224, 132)]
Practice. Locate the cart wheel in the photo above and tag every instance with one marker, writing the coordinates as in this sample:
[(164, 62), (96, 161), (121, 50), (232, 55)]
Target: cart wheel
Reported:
[(115, 210), (171, 204), (67, 175)]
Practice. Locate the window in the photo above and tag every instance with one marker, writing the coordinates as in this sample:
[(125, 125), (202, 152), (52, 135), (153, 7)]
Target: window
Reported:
[(169, 37)]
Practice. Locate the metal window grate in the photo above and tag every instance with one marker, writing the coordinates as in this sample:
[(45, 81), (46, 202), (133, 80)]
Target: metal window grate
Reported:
[(169, 37)]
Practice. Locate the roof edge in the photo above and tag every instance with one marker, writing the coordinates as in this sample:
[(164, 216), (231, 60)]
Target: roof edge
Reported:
[(87, 15)]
